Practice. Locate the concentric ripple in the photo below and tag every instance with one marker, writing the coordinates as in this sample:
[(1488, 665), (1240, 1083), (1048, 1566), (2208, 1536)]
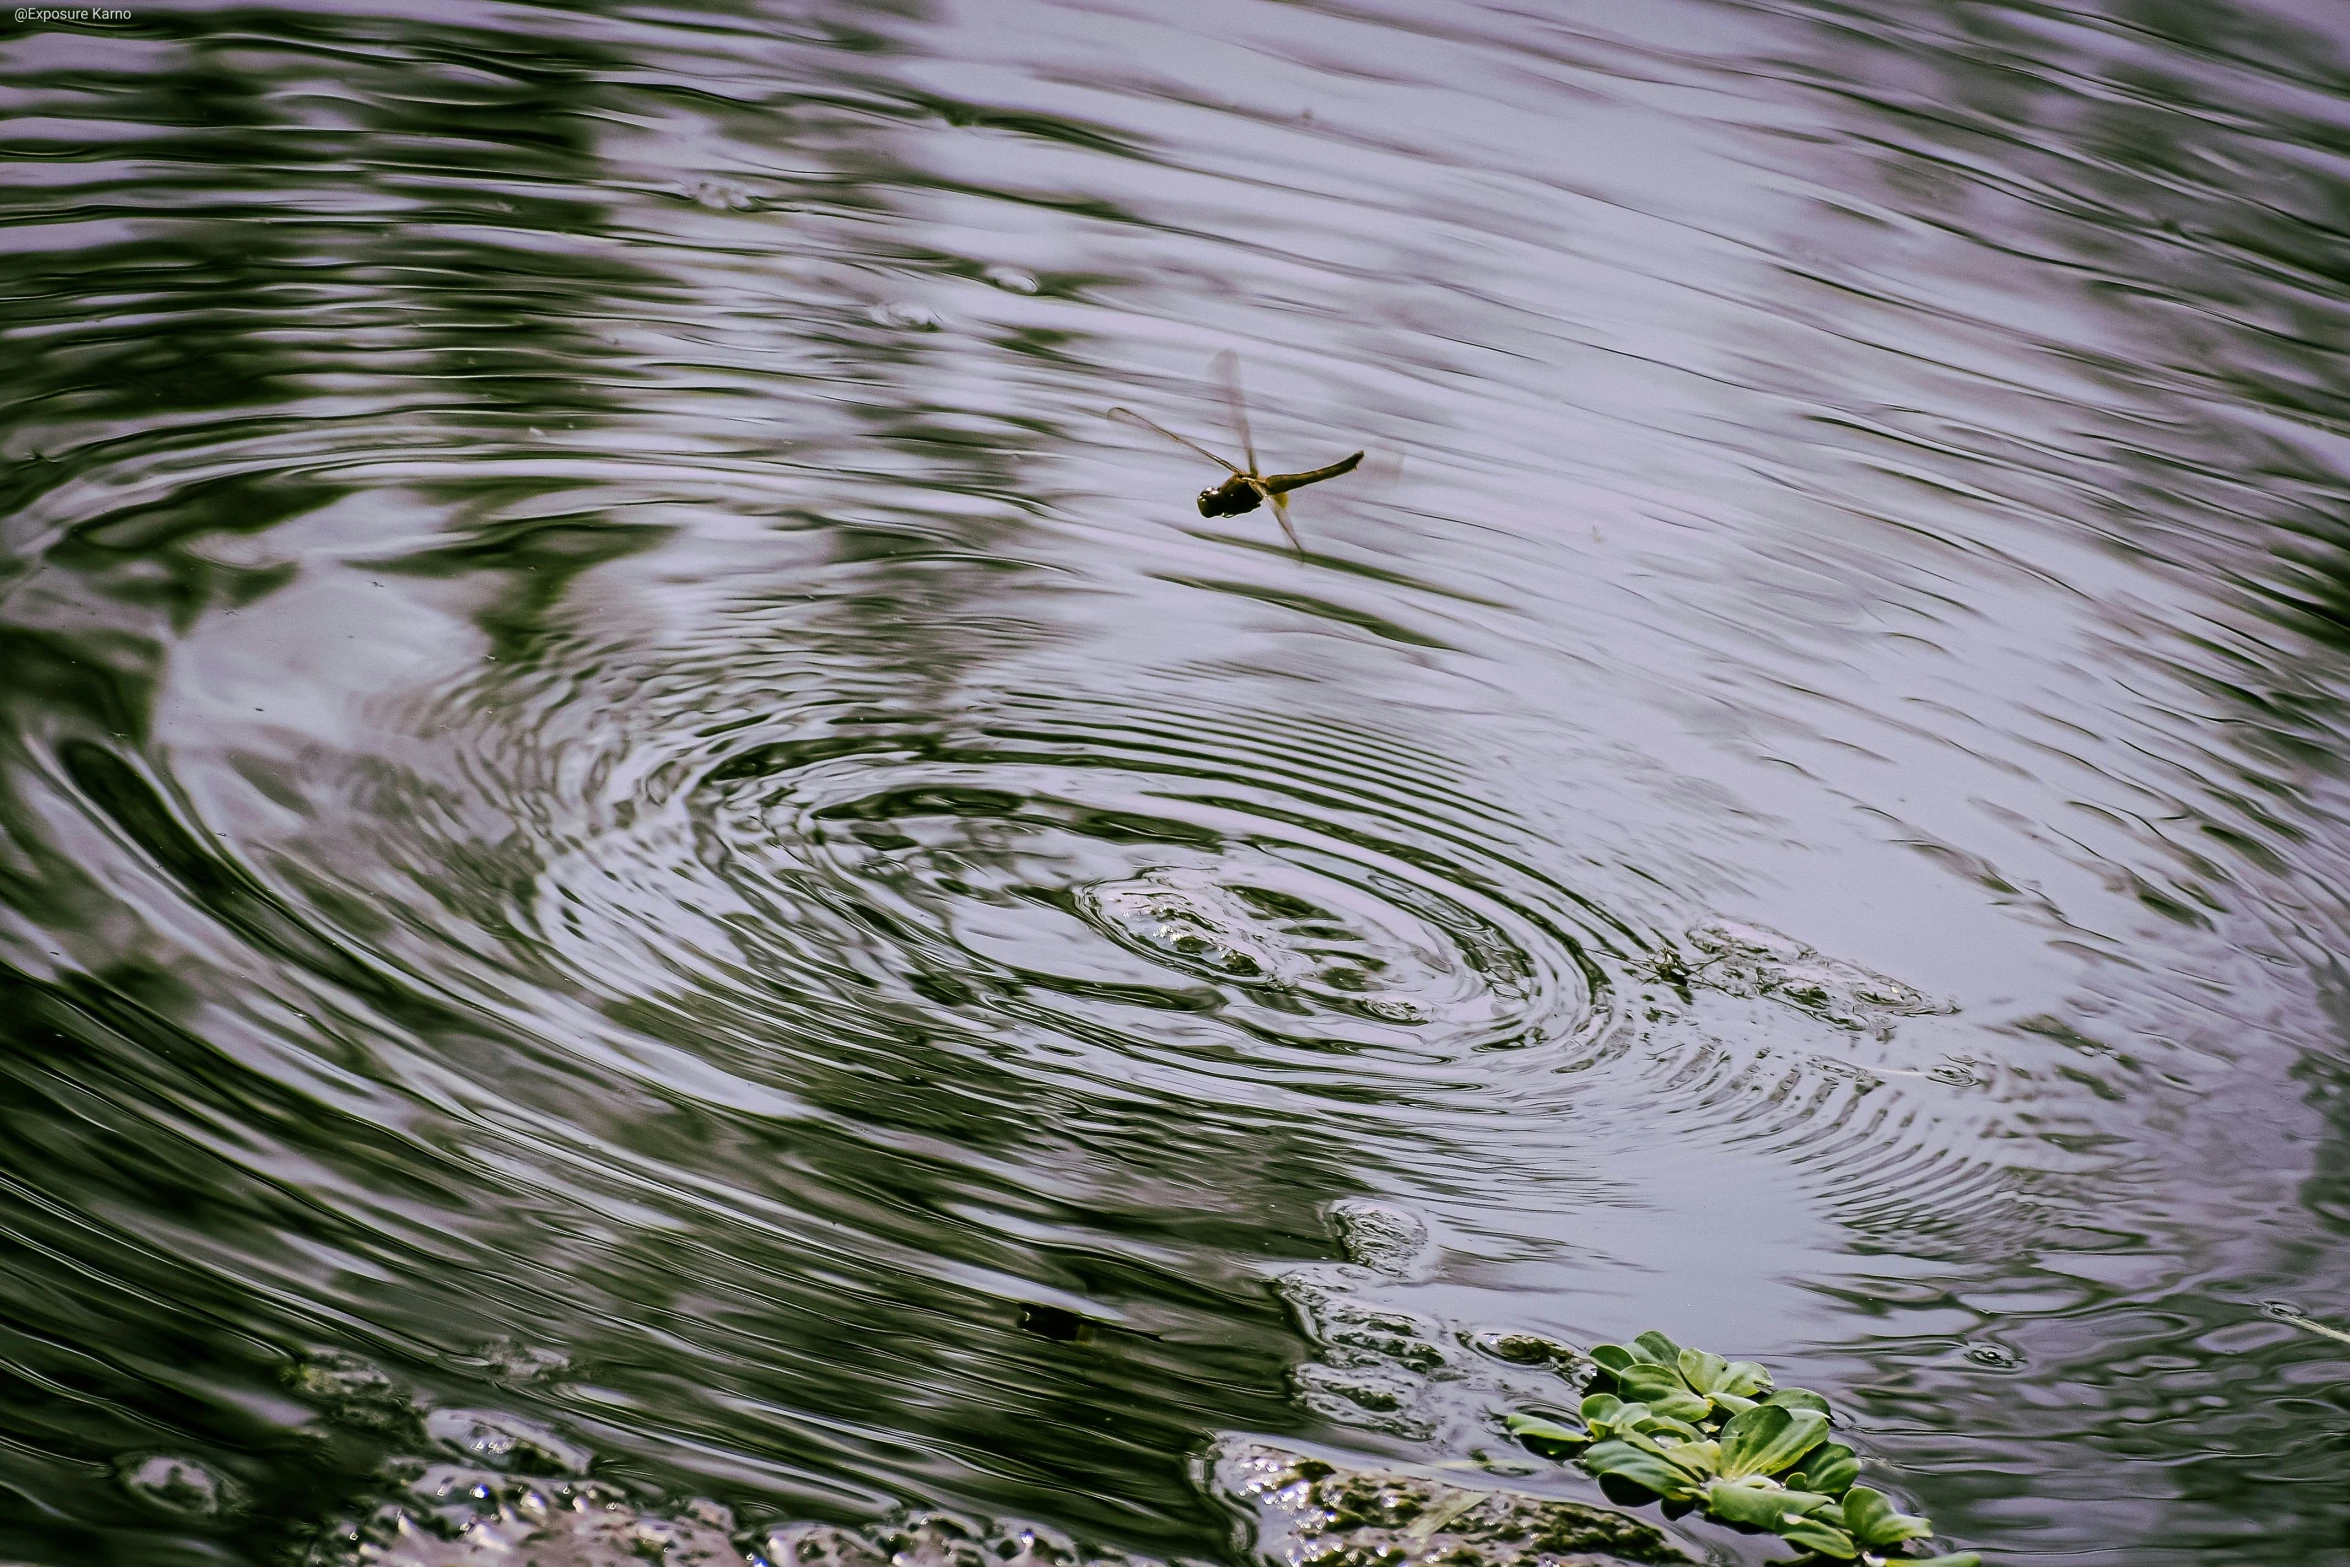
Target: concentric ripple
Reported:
[(1126, 886)]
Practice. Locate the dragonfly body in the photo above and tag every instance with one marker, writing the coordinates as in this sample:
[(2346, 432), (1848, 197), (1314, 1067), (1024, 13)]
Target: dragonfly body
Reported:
[(1246, 492), (1247, 489)]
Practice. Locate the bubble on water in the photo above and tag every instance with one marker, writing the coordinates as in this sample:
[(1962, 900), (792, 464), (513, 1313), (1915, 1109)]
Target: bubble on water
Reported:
[(183, 1487), (504, 1440), (1388, 1240), (2282, 1309), (1011, 280), (1997, 1357)]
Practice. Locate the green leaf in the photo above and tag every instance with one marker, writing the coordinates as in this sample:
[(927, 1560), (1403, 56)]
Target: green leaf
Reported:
[(1756, 1502), (1826, 1539), (1830, 1467), (1635, 1436), (1701, 1459), (1641, 1468), (1872, 1520), (1744, 1379), (1545, 1436), (1602, 1410), (1650, 1383), (1731, 1403), (1656, 1347), (1954, 1559), (1762, 1505), (1681, 1405), (1701, 1369), (1811, 1502), (1768, 1438), (1655, 1425), (1798, 1398), (1613, 1358), (1717, 1378)]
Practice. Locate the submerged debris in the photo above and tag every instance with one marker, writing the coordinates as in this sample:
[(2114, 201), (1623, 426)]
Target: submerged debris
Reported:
[(182, 1487), (2286, 1311), (1386, 1368), (1753, 960), (512, 1492), (1382, 1238), (457, 1516), (353, 1391), (929, 1539), (504, 1440), (453, 1515), (1308, 1512)]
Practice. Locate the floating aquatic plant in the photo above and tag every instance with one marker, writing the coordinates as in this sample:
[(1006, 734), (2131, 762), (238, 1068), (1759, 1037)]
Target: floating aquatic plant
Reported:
[(1698, 1431)]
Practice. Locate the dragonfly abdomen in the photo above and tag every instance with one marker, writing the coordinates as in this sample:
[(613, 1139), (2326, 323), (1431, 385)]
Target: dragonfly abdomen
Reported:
[(1282, 483)]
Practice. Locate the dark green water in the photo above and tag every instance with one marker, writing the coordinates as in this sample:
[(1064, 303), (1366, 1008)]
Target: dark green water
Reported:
[(628, 822)]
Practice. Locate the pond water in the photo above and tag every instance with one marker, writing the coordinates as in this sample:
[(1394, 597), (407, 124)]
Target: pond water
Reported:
[(635, 844)]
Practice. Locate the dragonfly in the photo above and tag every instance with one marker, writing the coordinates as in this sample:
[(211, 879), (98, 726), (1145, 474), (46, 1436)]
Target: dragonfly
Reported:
[(1248, 488)]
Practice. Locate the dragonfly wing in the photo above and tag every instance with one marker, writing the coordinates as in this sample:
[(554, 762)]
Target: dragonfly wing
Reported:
[(1129, 416), (1225, 367), (1281, 515)]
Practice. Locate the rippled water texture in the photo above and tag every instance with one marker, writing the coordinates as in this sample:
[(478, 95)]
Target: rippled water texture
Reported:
[(655, 888)]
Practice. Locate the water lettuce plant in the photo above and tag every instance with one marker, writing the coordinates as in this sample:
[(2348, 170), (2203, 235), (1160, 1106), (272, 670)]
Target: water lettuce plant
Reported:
[(1698, 1431)]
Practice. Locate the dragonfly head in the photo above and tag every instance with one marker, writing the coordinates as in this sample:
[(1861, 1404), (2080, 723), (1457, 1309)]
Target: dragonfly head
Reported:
[(1229, 499)]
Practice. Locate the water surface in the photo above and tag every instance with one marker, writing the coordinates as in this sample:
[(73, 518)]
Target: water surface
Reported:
[(637, 844)]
